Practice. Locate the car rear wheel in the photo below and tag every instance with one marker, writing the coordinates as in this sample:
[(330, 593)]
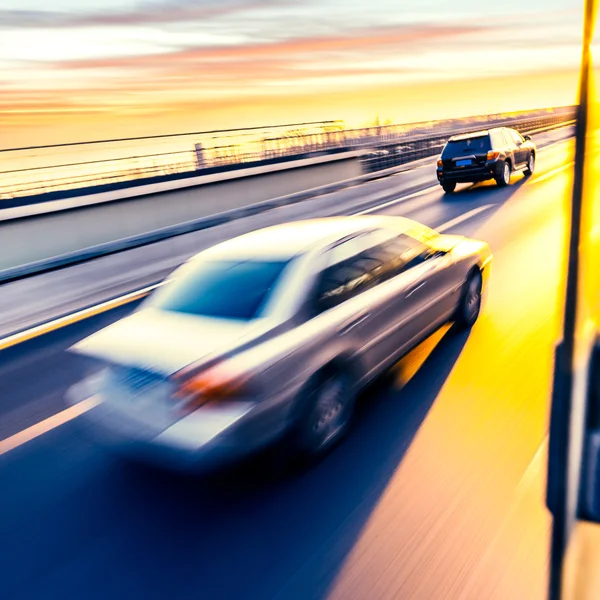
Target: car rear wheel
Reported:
[(449, 186), (530, 165), (503, 179), (327, 416), (470, 302)]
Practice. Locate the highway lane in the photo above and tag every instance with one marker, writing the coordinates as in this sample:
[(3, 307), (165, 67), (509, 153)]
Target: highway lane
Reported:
[(36, 299), (436, 494)]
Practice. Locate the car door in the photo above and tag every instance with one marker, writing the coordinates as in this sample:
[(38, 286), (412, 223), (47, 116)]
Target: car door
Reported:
[(431, 284), (520, 152), (416, 288), (350, 289)]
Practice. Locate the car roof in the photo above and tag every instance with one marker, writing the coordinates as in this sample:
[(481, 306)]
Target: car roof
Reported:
[(284, 241), (474, 134), (468, 136)]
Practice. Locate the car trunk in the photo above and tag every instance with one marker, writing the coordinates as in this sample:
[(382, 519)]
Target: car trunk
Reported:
[(467, 153), (164, 342), (136, 356)]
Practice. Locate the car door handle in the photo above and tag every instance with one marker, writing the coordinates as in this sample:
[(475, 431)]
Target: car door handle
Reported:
[(414, 289), (352, 323)]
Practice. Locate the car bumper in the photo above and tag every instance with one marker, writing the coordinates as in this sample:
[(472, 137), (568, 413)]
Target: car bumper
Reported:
[(208, 439), (470, 175)]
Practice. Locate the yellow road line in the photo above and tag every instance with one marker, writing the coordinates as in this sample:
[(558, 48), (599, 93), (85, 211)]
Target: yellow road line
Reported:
[(64, 416), (86, 313)]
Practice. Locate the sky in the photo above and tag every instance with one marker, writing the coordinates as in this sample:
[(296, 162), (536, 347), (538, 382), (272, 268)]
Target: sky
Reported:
[(86, 69)]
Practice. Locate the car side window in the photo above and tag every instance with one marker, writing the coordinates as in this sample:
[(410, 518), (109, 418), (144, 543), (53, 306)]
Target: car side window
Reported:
[(508, 141), (370, 265), (405, 252), (516, 136), (345, 278)]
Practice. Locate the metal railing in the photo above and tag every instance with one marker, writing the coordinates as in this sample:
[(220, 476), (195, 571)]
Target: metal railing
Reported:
[(38, 173), (389, 155)]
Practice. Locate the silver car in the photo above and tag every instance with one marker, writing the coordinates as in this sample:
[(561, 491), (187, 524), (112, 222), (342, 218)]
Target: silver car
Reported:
[(271, 335)]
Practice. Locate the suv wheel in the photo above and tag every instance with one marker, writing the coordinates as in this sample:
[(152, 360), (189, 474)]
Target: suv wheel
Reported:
[(530, 165), (503, 178), (449, 186)]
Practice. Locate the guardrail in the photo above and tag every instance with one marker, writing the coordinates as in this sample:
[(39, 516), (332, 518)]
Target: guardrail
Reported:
[(394, 155), (40, 173), (109, 227)]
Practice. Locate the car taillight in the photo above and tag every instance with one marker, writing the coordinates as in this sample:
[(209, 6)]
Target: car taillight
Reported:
[(492, 155), (440, 163), (215, 383)]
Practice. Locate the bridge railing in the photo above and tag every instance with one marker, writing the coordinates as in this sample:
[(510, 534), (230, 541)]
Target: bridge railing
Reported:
[(41, 172)]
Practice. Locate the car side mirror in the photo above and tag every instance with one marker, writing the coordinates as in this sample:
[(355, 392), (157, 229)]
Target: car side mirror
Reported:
[(527, 138), (589, 498)]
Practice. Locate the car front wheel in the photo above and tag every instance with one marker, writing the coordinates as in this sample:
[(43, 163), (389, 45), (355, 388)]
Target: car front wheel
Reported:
[(470, 302), (530, 165)]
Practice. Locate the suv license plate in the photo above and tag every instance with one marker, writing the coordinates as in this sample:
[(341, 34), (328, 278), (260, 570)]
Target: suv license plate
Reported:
[(463, 163)]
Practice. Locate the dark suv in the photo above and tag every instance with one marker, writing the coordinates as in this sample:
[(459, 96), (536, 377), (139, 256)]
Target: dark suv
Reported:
[(491, 154)]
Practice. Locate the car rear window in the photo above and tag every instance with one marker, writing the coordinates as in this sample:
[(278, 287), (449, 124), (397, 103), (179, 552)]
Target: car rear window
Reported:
[(222, 289), (472, 145)]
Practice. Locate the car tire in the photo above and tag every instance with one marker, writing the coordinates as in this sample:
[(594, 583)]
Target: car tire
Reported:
[(329, 407), (530, 165), (469, 306), (449, 186), (503, 179)]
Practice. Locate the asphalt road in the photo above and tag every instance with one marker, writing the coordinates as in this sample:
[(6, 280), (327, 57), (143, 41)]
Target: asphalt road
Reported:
[(437, 493)]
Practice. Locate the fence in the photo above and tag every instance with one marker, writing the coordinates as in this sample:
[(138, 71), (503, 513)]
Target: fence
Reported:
[(48, 172), (393, 153)]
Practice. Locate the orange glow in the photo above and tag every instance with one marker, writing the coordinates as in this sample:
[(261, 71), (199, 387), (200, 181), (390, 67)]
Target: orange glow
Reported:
[(217, 73), (489, 439), (59, 121)]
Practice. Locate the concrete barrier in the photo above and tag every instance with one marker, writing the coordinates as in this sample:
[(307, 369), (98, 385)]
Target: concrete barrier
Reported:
[(65, 228), (41, 237)]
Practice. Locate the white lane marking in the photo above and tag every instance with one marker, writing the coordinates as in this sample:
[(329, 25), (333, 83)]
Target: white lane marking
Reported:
[(396, 201), (401, 199), (553, 172), (448, 224), (56, 420)]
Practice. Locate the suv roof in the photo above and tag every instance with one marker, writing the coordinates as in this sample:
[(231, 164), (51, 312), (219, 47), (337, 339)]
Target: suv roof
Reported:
[(466, 136)]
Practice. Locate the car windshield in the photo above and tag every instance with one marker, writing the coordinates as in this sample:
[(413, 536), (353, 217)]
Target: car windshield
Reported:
[(472, 145), (222, 289)]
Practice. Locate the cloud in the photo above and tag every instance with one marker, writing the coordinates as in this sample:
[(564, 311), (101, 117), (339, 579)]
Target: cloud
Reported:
[(146, 13), (361, 42)]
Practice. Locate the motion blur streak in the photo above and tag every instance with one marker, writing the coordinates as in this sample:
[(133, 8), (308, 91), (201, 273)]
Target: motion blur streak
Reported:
[(490, 414), (427, 498)]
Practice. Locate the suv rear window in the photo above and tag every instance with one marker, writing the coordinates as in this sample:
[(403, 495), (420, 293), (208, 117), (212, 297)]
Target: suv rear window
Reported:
[(473, 145)]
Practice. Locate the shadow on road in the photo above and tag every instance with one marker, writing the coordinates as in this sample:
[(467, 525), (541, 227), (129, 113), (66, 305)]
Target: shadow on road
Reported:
[(486, 191), (244, 535)]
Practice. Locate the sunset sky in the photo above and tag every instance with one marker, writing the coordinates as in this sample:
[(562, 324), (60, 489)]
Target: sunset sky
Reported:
[(83, 69)]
